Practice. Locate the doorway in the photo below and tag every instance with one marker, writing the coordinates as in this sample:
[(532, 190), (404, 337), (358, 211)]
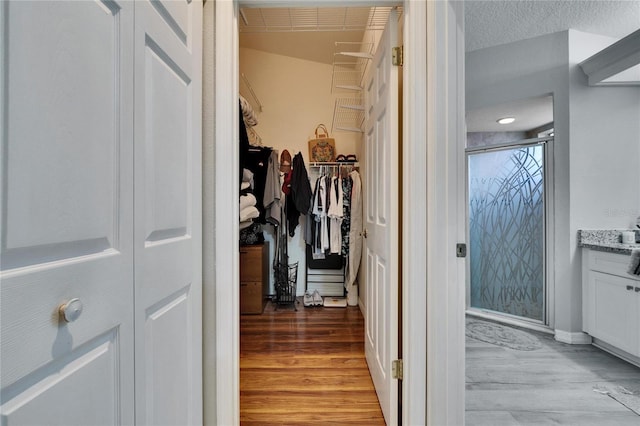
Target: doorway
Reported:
[(438, 47), (292, 94), (509, 192), (507, 212)]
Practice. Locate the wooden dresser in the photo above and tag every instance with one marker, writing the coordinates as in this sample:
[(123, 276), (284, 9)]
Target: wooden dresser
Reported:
[(254, 278)]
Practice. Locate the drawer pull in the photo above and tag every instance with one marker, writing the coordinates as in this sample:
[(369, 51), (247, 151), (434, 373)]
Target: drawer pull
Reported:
[(629, 287)]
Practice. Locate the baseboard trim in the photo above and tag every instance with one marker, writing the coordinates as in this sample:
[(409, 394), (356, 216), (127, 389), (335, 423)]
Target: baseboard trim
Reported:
[(617, 352), (573, 338), (502, 319)]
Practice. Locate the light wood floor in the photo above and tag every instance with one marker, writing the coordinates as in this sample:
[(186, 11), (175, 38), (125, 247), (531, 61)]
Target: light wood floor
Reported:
[(553, 385), (305, 367)]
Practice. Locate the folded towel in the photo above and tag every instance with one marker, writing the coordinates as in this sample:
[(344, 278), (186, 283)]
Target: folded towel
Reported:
[(247, 201), (244, 185), (247, 177), (634, 263), (248, 213), (246, 224), (248, 114)]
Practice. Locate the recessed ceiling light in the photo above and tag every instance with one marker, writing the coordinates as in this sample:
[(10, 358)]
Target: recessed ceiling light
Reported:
[(506, 120)]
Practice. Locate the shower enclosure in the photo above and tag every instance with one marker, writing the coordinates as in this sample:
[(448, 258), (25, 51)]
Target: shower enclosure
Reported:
[(507, 229)]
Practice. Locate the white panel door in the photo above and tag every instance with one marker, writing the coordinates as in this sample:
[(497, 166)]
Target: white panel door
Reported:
[(168, 58), (67, 212), (381, 221)]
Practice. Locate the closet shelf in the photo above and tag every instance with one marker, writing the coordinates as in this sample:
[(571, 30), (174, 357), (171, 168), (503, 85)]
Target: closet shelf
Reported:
[(347, 76), (364, 55), (348, 115), (350, 60)]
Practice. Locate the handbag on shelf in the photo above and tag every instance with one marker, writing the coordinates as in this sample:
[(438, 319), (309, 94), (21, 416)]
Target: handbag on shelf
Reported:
[(322, 149)]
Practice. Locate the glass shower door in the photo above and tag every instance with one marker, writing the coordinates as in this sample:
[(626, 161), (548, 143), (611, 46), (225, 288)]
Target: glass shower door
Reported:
[(506, 231)]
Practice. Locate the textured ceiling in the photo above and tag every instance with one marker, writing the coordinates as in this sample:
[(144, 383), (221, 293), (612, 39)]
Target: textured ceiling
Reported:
[(491, 23)]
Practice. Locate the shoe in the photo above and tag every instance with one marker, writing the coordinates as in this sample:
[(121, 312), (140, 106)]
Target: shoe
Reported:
[(307, 299), (317, 299)]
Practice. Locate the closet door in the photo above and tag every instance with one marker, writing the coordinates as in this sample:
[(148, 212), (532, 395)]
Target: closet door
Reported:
[(168, 359), (66, 117), (380, 278)]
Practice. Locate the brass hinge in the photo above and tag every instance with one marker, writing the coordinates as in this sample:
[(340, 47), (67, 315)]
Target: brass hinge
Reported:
[(396, 369), (397, 56)]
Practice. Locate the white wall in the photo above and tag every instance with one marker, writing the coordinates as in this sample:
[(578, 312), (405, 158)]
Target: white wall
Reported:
[(296, 97), (596, 147), (605, 152)]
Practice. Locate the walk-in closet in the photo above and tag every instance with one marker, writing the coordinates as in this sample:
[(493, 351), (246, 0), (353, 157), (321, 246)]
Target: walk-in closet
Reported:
[(305, 179), (302, 76)]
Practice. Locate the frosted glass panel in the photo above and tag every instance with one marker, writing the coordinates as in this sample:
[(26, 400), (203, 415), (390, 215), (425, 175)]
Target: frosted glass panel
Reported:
[(506, 226)]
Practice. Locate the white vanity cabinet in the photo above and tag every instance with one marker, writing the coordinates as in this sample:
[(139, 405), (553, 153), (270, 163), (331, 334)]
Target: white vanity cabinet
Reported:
[(611, 300)]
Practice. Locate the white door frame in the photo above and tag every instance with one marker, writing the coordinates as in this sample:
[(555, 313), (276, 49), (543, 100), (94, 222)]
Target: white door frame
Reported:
[(433, 222)]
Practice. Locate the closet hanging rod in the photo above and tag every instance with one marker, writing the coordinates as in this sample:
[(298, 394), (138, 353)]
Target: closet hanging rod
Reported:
[(253, 94), (335, 163)]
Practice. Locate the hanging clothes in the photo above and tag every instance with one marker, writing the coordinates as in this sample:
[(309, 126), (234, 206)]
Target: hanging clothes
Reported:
[(299, 198), (321, 235), (300, 185), (347, 184), (272, 191), (355, 232), (335, 213)]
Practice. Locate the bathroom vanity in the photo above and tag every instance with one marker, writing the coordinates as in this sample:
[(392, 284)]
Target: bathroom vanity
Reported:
[(610, 296)]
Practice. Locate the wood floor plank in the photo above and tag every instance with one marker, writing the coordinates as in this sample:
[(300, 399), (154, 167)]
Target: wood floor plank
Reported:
[(305, 367)]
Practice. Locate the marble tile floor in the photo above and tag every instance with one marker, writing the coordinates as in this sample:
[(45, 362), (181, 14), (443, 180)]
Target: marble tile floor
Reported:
[(553, 385)]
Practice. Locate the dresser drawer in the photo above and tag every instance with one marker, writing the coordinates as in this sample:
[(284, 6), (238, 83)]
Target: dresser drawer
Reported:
[(252, 299), (254, 278), (253, 260), (610, 263)]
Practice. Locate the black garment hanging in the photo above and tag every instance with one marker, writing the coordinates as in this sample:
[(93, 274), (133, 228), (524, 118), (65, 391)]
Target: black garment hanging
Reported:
[(300, 185), (298, 200)]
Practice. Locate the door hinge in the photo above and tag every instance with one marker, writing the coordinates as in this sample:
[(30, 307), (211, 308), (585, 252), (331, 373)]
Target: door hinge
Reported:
[(396, 369), (397, 56)]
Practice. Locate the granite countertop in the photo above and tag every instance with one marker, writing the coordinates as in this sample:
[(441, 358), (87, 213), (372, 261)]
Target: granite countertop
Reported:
[(607, 240)]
